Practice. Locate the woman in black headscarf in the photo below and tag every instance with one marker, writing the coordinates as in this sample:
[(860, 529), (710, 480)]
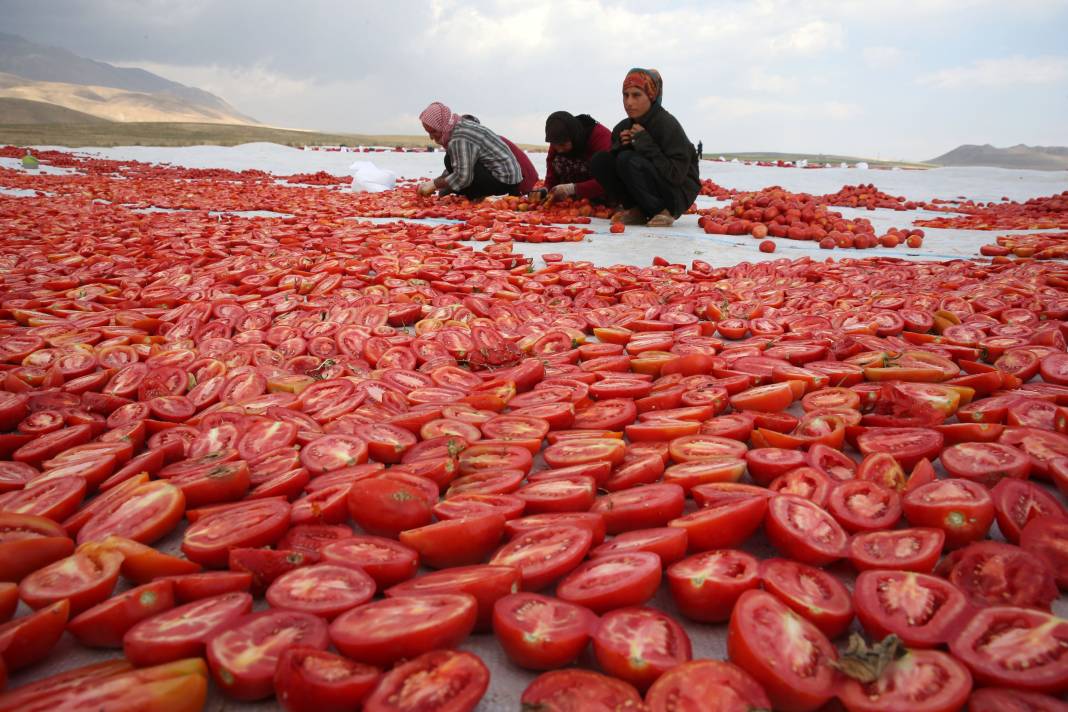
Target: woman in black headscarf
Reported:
[(651, 169), (573, 140)]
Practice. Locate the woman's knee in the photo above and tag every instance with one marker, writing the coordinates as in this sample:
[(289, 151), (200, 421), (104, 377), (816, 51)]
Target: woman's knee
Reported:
[(602, 163), (624, 160)]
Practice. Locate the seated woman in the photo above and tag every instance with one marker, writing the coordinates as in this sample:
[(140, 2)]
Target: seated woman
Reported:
[(477, 161), (651, 169), (573, 141)]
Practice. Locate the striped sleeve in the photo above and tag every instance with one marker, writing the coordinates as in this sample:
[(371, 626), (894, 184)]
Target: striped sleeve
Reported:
[(473, 142), (463, 153)]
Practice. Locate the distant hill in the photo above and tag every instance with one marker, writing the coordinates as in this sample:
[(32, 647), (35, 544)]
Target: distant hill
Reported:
[(52, 75), (771, 156), (1040, 158), (24, 111)]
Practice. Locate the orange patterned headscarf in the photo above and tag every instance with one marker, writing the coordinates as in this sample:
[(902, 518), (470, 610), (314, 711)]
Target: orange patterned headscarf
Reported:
[(648, 81)]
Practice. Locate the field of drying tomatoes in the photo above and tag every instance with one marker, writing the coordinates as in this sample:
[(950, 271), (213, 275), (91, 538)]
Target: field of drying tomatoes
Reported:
[(344, 464)]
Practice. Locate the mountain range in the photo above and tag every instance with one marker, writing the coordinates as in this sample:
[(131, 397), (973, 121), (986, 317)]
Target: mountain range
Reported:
[(1042, 158), (32, 72)]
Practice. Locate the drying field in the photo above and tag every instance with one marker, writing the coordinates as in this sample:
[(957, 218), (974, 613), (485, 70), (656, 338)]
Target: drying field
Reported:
[(259, 434)]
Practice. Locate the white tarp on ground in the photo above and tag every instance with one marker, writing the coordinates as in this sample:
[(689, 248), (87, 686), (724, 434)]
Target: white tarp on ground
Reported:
[(684, 241)]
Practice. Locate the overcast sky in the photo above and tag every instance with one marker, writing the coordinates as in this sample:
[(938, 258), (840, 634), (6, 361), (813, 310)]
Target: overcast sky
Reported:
[(901, 79)]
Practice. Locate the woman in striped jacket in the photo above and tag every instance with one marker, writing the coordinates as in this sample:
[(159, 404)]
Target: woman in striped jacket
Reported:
[(478, 162)]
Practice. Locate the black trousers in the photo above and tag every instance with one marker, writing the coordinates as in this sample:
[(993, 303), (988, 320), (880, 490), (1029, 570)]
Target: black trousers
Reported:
[(483, 183), (632, 180)]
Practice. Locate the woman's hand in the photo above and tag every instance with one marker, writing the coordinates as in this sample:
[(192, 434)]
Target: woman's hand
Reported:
[(625, 137), (635, 129), (564, 190), (427, 187)]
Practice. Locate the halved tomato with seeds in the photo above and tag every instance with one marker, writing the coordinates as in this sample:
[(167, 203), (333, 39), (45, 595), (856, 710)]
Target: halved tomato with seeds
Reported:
[(383, 632), (387, 561), (924, 611), (811, 592), (803, 531), (907, 445), (104, 625), (706, 586), (785, 653), (639, 645), (324, 590), (614, 581), (145, 514), (860, 505), (992, 573), (640, 507), (1015, 647), (183, 632), (29, 639), (28, 543), (1017, 502), (456, 680), (706, 686), (486, 582), (961, 508), (669, 543), (985, 462), (85, 578), (209, 539), (1003, 699), (915, 549), (244, 657), (541, 633), (577, 689), (311, 680), (1045, 537), (333, 452), (544, 555)]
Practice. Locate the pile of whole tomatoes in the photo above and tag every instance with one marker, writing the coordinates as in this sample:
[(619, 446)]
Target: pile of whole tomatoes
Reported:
[(867, 196), (308, 457), (711, 189), (1045, 213), (318, 178), (776, 212)]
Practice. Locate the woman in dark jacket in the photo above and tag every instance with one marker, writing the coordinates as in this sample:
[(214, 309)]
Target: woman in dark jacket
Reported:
[(651, 169), (573, 141)]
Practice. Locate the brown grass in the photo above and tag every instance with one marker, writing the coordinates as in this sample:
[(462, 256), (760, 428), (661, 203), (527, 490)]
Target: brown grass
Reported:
[(183, 134)]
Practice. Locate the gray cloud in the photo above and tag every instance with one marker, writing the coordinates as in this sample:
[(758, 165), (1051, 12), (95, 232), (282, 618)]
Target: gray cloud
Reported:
[(766, 74)]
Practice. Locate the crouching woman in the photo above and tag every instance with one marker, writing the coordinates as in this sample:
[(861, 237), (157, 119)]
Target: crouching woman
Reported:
[(651, 171)]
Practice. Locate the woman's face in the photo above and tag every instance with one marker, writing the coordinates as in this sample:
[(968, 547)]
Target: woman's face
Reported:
[(564, 147), (635, 102)]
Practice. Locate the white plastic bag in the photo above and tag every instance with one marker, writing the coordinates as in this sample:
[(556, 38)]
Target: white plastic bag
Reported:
[(369, 178)]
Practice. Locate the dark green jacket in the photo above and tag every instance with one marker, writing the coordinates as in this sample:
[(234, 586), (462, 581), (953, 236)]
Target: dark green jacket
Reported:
[(666, 146)]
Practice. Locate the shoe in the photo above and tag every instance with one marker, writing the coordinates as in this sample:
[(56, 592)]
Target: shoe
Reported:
[(630, 216), (661, 219)]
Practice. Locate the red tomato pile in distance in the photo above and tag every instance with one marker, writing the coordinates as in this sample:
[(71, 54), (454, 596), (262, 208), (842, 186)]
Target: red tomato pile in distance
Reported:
[(394, 442)]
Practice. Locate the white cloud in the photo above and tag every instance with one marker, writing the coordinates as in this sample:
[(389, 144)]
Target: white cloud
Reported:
[(740, 107), (1007, 71), (812, 37), (881, 57), (760, 79)]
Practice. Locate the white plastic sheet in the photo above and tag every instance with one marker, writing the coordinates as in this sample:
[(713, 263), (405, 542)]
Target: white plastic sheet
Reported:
[(369, 178)]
